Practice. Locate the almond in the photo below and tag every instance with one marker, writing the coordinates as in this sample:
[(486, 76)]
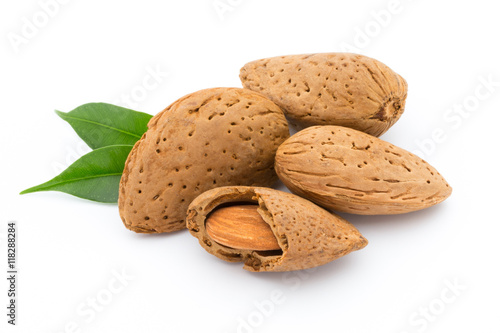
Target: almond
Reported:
[(350, 171), (210, 138), (241, 227), (306, 234), (330, 89)]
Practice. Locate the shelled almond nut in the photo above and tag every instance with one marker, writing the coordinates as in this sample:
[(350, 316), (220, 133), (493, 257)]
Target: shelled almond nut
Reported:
[(241, 227), (306, 234)]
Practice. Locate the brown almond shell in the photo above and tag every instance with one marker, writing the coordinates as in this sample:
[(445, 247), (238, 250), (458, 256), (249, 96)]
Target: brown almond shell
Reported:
[(210, 138), (342, 89), (308, 235), (350, 171)]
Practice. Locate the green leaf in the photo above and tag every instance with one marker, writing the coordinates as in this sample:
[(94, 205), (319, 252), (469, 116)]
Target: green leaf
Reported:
[(94, 176), (102, 125)]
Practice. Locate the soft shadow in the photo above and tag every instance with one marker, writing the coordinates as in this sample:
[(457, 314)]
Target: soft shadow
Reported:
[(172, 234), (371, 224), (330, 271), (394, 221)]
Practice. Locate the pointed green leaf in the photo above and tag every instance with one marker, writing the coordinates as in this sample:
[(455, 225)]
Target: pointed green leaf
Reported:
[(94, 176), (101, 124)]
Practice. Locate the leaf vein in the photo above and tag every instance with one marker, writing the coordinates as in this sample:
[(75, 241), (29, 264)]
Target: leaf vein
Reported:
[(103, 125)]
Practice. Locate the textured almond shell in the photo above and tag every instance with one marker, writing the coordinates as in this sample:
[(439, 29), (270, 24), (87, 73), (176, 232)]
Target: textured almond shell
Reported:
[(342, 89), (213, 137), (350, 171), (308, 235)]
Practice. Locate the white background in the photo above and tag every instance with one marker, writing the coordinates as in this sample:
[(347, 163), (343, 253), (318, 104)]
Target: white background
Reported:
[(70, 249)]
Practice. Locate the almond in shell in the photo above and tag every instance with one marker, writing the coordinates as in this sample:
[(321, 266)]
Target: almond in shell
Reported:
[(342, 89), (350, 171), (305, 234), (210, 138)]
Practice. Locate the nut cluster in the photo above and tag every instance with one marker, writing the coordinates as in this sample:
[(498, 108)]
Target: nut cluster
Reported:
[(209, 160)]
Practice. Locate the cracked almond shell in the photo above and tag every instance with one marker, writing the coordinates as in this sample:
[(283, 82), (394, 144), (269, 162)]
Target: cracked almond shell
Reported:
[(350, 171), (342, 89), (210, 138), (307, 234)]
